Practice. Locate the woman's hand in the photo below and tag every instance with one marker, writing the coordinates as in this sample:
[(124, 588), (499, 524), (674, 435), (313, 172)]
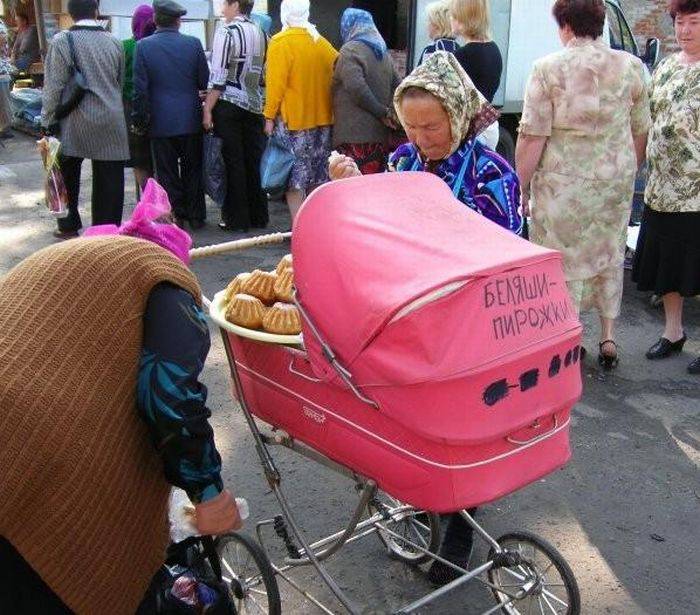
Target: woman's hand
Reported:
[(207, 121), (269, 127), (341, 167), (218, 515)]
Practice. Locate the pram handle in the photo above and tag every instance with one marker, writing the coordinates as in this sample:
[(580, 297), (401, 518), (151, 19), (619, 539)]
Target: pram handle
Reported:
[(239, 244), (541, 436)]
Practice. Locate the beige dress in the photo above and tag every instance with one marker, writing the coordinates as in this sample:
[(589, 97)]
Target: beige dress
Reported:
[(589, 101)]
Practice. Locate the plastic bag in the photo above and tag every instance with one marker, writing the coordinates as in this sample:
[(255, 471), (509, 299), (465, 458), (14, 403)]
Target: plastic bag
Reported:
[(214, 169), (54, 186), (26, 102), (276, 165)]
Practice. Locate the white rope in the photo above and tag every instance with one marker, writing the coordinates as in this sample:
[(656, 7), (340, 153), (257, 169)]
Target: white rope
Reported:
[(239, 244)]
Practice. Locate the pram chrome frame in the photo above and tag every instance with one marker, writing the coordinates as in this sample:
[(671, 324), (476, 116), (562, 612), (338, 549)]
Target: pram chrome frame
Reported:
[(531, 578)]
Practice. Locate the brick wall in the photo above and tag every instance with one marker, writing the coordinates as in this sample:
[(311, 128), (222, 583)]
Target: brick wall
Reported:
[(649, 18)]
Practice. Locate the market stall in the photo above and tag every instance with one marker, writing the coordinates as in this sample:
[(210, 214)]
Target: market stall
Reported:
[(51, 16)]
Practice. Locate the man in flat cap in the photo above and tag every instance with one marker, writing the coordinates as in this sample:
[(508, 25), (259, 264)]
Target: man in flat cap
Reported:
[(170, 69)]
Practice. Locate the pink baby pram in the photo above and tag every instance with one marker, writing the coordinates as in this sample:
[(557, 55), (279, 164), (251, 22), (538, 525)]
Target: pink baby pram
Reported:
[(440, 356)]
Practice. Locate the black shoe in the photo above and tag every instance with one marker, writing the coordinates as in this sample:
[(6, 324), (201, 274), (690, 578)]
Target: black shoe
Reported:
[(195, 225), (665, 348), (606, 360), (7, 134), (59, 234), (694, 366), (235, 229)]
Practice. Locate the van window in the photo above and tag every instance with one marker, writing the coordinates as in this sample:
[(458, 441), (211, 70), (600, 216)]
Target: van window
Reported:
[(628, 41), (613, 20), (620, 34)]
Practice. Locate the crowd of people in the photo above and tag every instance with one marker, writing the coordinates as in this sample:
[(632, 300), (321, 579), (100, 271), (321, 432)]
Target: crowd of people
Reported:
[(591, 117)]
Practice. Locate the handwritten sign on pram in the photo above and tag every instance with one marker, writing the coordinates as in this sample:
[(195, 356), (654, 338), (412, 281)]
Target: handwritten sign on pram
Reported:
[(522, 303)]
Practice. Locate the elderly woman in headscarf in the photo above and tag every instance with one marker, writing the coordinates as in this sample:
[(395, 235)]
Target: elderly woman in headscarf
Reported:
[(142, 25), (298, 95), (107, 435), (443, 114), (363, 87)]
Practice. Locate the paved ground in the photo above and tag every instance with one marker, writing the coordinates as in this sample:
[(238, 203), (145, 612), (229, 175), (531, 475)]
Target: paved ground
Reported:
[(625, 512)]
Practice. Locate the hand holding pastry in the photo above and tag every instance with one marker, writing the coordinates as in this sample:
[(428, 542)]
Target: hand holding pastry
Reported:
[(218, 515), (341, 167)]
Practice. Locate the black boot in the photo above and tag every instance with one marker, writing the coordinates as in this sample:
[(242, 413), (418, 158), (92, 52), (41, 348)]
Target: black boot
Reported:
[(457, 546)]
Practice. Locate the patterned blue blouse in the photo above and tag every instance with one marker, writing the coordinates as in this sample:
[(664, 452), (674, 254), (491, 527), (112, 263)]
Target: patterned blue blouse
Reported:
[(479, 177), (170, 397)]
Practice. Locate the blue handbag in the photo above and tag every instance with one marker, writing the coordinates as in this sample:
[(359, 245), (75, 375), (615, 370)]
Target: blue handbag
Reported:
[(276, 165)]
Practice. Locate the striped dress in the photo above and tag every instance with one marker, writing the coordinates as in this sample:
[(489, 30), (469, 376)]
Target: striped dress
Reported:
[(96, 129)]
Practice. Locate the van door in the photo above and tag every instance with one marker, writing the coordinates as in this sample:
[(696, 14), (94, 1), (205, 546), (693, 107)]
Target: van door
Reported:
[(620, 34)]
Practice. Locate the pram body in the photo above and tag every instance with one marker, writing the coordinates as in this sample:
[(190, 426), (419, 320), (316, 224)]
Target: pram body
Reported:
[(461, 336)]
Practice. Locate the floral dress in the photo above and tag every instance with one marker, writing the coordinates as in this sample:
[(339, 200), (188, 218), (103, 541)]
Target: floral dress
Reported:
[(673, 152), (589, 101), (667, 259)]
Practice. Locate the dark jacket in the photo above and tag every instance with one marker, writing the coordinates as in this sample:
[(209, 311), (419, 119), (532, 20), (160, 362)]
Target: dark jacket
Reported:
[(363, 90), (169, 71)]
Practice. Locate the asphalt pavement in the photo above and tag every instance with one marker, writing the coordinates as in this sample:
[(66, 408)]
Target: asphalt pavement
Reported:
[(625, 512)]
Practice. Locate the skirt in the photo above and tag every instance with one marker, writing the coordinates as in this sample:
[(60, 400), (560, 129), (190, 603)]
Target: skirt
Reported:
[(139, 146), (311, 148), (667, 258)]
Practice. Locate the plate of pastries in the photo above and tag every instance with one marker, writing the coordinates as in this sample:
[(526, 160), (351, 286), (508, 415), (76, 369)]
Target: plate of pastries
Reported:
[(260, 305)]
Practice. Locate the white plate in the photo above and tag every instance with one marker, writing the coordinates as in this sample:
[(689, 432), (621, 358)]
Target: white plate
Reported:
[(216, 311)]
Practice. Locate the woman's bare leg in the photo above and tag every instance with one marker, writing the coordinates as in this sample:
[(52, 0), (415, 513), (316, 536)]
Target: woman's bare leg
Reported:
[(294, 200), (607, 333), (141, 176), (673, 309)]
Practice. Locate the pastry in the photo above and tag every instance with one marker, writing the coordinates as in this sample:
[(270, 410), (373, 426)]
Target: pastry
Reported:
[(234, 286), (282, 318), (285, 263), (284, 286), (245, 311), (260, 284)]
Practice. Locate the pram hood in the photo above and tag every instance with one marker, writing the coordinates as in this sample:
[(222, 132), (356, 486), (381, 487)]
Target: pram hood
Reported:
[(373, 252)]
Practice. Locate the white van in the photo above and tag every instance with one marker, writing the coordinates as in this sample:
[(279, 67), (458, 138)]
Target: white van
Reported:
[(525, 30)]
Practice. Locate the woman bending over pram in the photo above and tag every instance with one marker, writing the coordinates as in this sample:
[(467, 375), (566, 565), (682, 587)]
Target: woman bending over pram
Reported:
[(443, 113)]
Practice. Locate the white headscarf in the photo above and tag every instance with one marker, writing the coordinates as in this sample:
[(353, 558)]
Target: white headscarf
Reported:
[(295, 14)]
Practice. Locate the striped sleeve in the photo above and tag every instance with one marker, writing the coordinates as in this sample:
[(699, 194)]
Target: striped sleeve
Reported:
[(220, 58)]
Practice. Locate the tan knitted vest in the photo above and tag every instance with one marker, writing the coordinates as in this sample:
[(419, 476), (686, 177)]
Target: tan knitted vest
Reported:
[(82, 492)]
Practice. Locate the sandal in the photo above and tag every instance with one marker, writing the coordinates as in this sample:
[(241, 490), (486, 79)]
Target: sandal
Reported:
[(607, 361)]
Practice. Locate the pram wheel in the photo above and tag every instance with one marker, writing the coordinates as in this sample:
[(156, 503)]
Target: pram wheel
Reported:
[(541, 582), (404, 527), (248, 574)]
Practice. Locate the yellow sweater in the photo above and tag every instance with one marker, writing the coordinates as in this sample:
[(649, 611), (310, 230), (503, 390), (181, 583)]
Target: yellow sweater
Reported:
[(298, 79)]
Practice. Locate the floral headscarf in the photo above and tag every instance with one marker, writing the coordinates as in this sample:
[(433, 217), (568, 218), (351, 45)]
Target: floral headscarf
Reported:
[(442, 76), (358, 25), (295, 14), (142, 24)]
